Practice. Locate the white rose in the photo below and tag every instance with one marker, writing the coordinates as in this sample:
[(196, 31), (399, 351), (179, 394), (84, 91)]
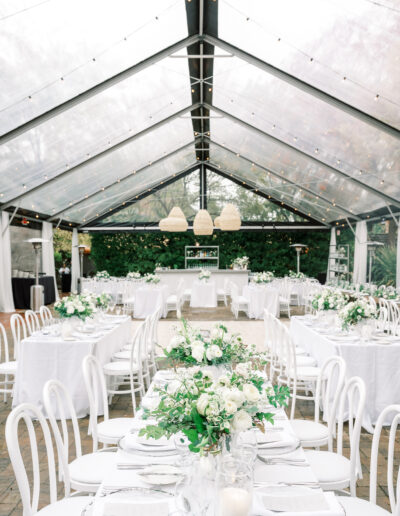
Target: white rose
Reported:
[(70, 310), (241, 421), (173, 386), (202, 403), (198, 352), (81, 308), (213, 351), (251, 392), (215, 333), (235, 395), (230, 407), (223, 380), (242, 369)]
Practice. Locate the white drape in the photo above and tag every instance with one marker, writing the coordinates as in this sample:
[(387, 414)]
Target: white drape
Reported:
[(398, 257), (332, 249), (360, 253), (48, 264), (6, 296), (75, 267)]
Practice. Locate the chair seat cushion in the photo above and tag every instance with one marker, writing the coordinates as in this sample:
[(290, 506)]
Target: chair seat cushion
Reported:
[(121, 367), (328, 467), (357, 507), (307, 430), (187, 292), (172, 299), (72, 506), (115, 428), (241, 300), (130, 301), (122, 355), (92, 468), (307, 372), (305, 361), (220, 292), (8, 367)]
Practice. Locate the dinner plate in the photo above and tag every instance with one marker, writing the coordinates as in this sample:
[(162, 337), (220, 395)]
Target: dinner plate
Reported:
[(161, 475), (151, 451)]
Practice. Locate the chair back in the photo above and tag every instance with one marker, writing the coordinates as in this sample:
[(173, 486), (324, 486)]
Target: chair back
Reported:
[(4, 354), (45, 315), (32, 321), (394, 495), (234, 291), (137, 351), (381, 322), (30, 499), (394, 316), (18, 330)]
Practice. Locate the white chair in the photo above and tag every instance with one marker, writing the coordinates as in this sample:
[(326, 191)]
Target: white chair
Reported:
[(7, 368), (223, 293), (108, 431), (358, 507), (45, 315), (313, 434), (394, 317), (175, 301), (333, 470), (86, 472), (239, 303), (285, 294), (18, 331), (32, 321), (68, 506)]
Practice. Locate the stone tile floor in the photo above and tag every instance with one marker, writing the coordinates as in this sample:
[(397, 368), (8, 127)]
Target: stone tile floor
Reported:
[(10, 503)]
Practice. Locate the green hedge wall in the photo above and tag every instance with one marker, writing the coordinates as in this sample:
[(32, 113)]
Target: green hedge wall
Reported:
[(124, 252)]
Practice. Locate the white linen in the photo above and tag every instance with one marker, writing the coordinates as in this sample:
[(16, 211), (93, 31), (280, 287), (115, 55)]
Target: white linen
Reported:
[(148, 299), (48, 264), (360, 253), (261, 297), (42, 358), (203, 294), (377, 364), (75, 266), (6, 296), (120, 289)]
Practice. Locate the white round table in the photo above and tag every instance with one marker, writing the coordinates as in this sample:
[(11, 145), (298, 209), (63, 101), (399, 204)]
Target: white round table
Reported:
[(204, 294), (261, 297), (148, 299)]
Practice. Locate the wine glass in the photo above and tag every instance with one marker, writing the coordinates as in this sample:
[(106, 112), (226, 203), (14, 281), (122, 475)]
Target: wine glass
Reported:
[(182, 445)]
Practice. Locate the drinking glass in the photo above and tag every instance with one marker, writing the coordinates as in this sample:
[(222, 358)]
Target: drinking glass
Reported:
[(182, 445), (234, 488)]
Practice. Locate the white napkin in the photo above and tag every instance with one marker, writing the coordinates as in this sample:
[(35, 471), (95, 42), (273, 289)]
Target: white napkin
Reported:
[(282, 473), (269, 440), (134, 442), (134, 508), (292, 498), (318, 504)]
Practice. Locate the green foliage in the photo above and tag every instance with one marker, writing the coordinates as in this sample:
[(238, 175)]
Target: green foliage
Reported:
[(384, 267), (268, 251)]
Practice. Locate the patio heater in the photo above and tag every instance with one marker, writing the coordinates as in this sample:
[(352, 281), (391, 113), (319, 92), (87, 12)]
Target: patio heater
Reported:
[(298, 248), (372, 247), (81, 249), (37, 291)]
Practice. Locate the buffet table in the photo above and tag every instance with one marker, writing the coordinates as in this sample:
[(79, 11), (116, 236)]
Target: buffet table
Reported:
[(171, 277), (377, 364), (21, 288), (47, 357)]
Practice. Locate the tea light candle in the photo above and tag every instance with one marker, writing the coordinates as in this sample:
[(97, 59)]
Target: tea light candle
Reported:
[(234, 501)]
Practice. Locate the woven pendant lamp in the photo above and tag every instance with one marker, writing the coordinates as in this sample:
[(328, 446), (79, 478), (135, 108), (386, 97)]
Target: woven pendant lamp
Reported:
[(176, 212), (203, 224), (229, 219), (175, 222), (217, 222)]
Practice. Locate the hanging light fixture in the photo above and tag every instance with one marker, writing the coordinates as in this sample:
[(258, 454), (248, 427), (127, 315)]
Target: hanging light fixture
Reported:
[(229, 219), (217, 222), (203, 224), (175, 222)]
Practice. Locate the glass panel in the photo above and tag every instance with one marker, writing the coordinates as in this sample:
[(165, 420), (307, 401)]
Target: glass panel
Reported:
[(252, 207), (348, 49), (83, 131), (67, 190), (310, 125), (184, 192), (298, 169), (134, 185), (56, 50)]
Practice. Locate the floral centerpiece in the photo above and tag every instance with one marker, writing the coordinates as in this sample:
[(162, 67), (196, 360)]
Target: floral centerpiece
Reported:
[(80, 306), (386, 292), (241, 262), (190, 347), (262, 277), (355, 312), (133, 275), (329, 299), (102, 300), (209, 412), (102, 275), (204, 275), (152, 279), (297, 275)]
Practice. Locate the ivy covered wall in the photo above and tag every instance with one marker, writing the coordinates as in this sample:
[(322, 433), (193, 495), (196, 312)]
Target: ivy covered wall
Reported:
[(123, 252)]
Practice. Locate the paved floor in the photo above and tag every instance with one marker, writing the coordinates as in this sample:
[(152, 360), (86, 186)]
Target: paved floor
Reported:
[(9, 495)]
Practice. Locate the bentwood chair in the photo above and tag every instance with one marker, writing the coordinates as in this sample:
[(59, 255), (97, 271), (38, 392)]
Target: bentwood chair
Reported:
[(45, 315), (32, 321), (8, 369), (18, 330)]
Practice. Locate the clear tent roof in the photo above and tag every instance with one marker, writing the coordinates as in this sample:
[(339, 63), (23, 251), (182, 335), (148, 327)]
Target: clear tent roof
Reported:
[(99, 104)]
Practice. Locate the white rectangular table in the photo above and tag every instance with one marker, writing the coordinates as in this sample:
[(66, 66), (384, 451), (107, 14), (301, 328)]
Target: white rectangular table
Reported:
[(148, 299), (203, 294), (45, 357), (377, 364), (261, 297)]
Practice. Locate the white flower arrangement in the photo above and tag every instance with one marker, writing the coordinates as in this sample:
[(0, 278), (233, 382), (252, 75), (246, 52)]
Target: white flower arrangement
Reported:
[(81, 306), (297, 275), (356, 311), (204, 275), (152, 279), (102, 275), (386, 292), (133, 275), (262, 277), (241, 262), (329, 299), (102, 301), (208, 412)]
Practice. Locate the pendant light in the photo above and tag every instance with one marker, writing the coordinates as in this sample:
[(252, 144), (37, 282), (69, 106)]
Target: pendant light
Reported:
[(203, 224), (175, 222), (229, 219)]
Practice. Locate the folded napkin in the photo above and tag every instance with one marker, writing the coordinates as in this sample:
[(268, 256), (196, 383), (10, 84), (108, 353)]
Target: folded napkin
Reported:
[(134, 507), (313, 502), (269, 440), (134, 442), (282, 473)]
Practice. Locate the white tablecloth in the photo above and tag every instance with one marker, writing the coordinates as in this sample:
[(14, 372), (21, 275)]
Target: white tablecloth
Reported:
[(148, 299), (261, 297), (120, 289), (44, 357), (204, 294), (377, 364)]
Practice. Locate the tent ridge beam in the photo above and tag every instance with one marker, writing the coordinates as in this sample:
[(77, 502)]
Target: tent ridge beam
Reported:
[(304, 86), (98, 88), (308, 156)]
